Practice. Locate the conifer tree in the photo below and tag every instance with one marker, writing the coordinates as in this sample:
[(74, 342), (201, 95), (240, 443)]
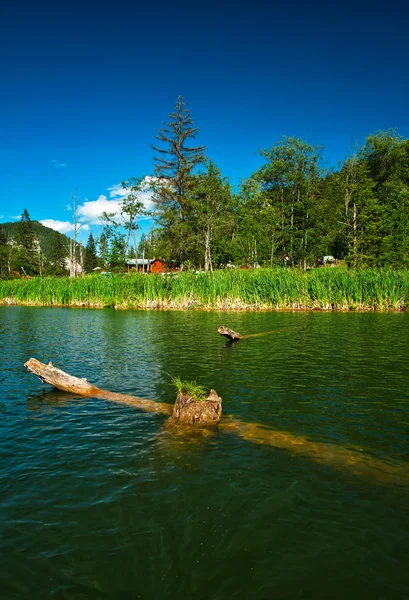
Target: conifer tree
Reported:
[(27, 257), (58, 263), (4, 254), (174, 166), (90, 255)]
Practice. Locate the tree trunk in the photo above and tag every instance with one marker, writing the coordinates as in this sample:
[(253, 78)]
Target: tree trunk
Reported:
[(354, 227), (208, 257), (338, 457), (272, 251), (72, 273), (82, 259), (61, 380), (186, 411)]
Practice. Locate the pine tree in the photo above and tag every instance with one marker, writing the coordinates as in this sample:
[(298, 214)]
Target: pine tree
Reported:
[(27, 259), (58, 262), (174, 167), (4, 254), (90, 255)]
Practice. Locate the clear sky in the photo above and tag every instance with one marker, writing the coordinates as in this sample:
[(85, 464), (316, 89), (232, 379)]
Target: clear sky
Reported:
[(85, 87)]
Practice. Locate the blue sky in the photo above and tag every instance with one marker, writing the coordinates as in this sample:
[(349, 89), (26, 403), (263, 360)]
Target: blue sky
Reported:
[(86, 86)]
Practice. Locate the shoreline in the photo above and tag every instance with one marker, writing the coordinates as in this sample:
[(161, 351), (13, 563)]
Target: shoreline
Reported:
[(197, 307), (267, 290)]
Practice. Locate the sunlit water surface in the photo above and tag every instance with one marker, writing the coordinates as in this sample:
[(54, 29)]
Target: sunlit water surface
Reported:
[(98, 500)]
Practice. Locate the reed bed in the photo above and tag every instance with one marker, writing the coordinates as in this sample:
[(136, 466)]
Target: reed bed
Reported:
[(263, 289)]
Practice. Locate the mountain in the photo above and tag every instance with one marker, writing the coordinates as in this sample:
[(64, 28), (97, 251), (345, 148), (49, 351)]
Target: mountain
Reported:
[(45, 235)]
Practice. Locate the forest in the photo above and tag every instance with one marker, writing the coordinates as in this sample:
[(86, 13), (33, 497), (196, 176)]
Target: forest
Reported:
[(290, 212)]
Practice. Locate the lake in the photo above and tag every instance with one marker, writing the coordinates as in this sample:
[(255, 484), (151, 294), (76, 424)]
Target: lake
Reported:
[(309, 498)]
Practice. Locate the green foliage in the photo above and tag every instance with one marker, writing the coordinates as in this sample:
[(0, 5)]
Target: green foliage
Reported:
[(278, 288), (117, 250), (28, 256), (190, 388), (44, 236), (289, 213), (57, 265), (174, 166), (290, 182), (90, 255), (126, 219)]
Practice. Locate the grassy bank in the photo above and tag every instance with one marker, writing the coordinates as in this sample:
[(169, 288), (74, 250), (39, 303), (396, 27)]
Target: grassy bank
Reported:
[(289, 289)]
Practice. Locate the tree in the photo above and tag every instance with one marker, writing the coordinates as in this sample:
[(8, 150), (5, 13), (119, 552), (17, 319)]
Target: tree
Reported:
[(28, 254), (103, 247), (90, 255), (58, 261), (126, 217), (4, 256), (132, 207), (290, 180), (75, 249), (259, 233), (212, 198), (116, 251), (386, 156), (174, 166)]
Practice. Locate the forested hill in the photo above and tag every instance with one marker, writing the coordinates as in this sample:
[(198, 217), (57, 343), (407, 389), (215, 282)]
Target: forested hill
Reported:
[(45, 235)]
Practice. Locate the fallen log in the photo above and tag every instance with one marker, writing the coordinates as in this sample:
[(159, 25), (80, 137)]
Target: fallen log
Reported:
[(186, 410), (339, 457), (229, 333), (61, 380)]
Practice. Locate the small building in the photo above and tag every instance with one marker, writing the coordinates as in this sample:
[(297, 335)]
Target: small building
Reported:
[(146, 265), (158, 266)]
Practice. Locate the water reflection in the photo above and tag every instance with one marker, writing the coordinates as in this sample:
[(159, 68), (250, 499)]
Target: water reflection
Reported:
[(51, 398)]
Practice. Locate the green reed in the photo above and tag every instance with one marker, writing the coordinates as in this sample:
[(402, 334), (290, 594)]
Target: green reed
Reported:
[(324, 288)]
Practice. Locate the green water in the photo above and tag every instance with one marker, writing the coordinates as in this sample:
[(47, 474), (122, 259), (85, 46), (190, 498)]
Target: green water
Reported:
[(98, 500)]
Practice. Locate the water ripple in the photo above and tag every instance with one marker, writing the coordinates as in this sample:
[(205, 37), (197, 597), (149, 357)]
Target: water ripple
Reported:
[(100, 501)]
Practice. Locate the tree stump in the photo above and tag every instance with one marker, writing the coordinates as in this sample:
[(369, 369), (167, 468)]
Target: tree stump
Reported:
[(229, 333), (188, 411)]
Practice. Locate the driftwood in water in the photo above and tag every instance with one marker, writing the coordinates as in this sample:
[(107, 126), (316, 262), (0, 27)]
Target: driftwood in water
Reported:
[(357, 462), (229, 333), (186, 411), (61, 380)]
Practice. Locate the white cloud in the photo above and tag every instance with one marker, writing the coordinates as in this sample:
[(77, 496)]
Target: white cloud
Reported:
[(62, 226), (58, 165), (91, 211), (119, 192)]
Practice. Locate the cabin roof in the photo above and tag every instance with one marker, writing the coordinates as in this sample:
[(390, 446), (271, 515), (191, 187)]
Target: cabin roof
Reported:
[(141, 261), (138, 261)]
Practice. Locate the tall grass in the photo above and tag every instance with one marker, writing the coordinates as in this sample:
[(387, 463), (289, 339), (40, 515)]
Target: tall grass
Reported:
[(324, 288)]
